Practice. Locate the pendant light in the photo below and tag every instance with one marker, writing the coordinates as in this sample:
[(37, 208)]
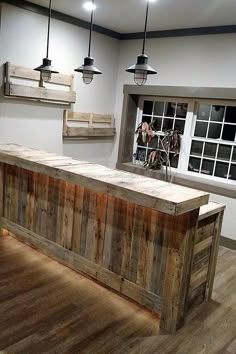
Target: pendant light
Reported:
[(141, 69), (46, 69), (88, 69)]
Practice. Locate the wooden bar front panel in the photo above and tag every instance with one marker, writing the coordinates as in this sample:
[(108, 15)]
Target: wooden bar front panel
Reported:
[(125, 238), (143, 254)]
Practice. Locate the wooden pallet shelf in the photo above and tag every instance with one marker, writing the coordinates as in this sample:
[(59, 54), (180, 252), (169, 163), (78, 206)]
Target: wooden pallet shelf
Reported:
[(15, 89), (91, 131)]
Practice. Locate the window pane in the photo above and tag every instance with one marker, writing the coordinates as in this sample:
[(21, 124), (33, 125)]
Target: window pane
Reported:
[(159, 108), (140, 140), (204, 112), (154, 143), (194, 164), (146, 119), (156, 124), (170, 109), (224, 152), (207, 167), (174, 160), (217, 113), (230, 114), (214, 131), (221, 169), (147, 108), (201, 129), (229, 132), (210, 150), (232, 174), (179, 125), (141, 154), (181, 111), (196, 148), (234, 154), (168, 124)]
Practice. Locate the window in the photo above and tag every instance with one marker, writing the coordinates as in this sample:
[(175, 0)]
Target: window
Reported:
[(161, 115), (208, 135), (214, 142)]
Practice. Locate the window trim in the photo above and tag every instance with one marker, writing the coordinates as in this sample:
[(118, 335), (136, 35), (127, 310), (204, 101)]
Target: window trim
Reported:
[(131, 95)]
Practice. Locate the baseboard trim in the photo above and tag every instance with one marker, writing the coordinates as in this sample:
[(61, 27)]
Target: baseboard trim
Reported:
[(228, 243)]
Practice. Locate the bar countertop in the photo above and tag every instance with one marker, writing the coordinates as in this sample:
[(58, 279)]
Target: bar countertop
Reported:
[(162, 196)]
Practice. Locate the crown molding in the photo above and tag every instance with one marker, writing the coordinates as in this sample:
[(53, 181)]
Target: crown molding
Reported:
[(185, 32)]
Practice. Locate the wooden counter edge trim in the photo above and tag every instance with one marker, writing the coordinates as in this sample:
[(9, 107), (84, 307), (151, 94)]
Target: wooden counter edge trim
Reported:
[(158, 204), (210, 209), (103, 276)]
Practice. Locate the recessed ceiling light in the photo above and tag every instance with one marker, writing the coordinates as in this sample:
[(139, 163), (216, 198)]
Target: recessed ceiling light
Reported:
[(89, 6)]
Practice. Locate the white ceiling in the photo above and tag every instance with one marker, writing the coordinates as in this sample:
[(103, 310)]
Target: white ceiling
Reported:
[(128, 15)]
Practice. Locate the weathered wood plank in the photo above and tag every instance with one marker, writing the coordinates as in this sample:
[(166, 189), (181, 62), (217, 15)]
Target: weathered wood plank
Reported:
[(106, 257), (74, 132), (214, 255), (85, 216), (127, 242), (209, 209), (199, 247), (22, 72), (21, 189), (52, 206), (68, 215), (178, 271), (1, 195), (118, 234), (32, 182), (39, 93), (60, 237), (76, 234), (100, 227), (40, 206), (136, 239), (86, 117)]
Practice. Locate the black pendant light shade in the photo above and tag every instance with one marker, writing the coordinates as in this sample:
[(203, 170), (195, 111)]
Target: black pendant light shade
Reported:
[(141, 69), (88, 69), (46, 69)]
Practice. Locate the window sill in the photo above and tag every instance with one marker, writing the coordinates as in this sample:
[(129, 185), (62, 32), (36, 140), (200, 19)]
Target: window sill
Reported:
[(187, 180)]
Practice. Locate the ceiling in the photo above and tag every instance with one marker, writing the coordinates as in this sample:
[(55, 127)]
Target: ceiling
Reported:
[(125, 16)]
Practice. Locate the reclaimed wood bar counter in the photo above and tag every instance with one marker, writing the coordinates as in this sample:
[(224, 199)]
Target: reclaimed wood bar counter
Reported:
[(143, 238)]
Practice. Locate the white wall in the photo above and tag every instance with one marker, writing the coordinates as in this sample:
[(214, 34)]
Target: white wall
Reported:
[(205, 61), (23, 42)]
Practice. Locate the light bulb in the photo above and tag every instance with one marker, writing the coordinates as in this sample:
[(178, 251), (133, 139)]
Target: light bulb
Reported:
[(140, 77), (89, 6), (87, 77), (46, 75)]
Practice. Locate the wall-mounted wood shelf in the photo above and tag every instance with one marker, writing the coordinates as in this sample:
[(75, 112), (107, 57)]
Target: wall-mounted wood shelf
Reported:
[(98, 125), (14, 88)]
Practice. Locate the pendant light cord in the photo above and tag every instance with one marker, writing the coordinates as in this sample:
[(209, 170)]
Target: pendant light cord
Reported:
[(145, 28), (90, 32), (49, 24)]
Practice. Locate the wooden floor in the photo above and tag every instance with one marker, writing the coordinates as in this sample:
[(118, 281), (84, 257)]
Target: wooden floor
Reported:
[(47, 308)]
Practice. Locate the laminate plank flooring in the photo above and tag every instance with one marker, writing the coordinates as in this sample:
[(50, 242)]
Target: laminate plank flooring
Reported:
[(48, 308)]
